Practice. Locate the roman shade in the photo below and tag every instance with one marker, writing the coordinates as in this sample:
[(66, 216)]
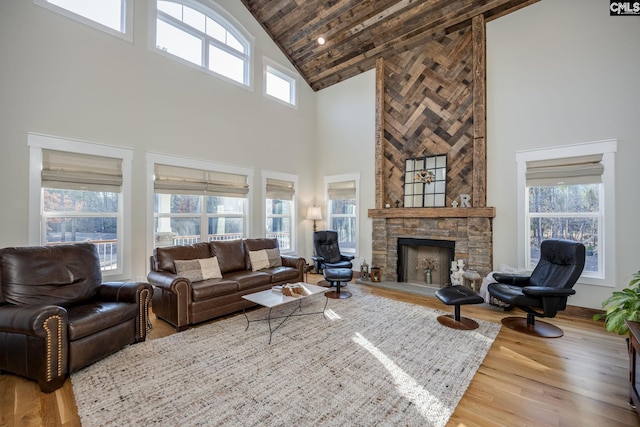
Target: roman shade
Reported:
[(76, 171), (180, 180), (280, 189), (343, 190), (568, 170)]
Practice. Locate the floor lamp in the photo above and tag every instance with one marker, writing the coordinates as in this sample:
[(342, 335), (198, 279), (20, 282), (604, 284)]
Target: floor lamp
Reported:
[(315, 214)]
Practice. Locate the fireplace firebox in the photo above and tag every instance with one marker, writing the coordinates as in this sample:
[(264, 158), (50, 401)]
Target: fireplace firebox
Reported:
[(411, 251)]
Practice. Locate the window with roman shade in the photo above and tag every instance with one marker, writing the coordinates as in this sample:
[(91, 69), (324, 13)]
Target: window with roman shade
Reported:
[(81, 201), (342, 211), (80, 192), (563, 190), (193, 205), (279, 209)]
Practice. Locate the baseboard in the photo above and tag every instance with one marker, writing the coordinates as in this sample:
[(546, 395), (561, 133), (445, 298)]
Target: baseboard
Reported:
[(582, 312)]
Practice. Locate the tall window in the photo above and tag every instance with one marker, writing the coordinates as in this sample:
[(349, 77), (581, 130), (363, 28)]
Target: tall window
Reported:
[(569, 198), (197, 34), (193, 205), (342, 210), (112, 16), (278, 83), (280, 209), (80, 196)]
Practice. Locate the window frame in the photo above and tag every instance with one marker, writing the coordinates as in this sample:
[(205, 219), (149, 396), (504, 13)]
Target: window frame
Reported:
[(37, 143), (215, 12), (343, 178), (270, 66), (294, 214), (126, 20), (607, 149), (154, 158)]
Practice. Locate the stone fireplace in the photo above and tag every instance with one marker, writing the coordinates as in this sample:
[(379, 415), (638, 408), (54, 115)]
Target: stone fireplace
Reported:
[(467, 230)]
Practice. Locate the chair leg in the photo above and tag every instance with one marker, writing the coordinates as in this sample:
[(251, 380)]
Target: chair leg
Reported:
[(456, 313)]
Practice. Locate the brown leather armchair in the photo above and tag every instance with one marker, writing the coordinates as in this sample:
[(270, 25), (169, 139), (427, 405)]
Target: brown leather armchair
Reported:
[(56, 315)]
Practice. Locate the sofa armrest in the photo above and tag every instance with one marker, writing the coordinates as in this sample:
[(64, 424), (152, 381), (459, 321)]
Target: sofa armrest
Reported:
[(30, 319), (293, 261), (139, 293), (37, 338), (122, 291), (171, 298), (168, 281)]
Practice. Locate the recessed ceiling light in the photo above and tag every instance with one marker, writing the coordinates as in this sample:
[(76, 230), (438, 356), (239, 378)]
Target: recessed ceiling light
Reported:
[(321, 40)]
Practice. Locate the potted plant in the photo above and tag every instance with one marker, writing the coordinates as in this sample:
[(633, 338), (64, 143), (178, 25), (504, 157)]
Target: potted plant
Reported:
[(622, 305)]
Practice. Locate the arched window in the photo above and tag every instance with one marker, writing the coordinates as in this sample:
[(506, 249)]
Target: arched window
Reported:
[(198, 34)]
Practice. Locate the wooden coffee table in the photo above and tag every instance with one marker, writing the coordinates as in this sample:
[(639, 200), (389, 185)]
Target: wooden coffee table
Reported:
[(273, 299)]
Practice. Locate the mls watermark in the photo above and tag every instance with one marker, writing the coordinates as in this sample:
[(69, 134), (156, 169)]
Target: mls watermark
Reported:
[(622, 8)]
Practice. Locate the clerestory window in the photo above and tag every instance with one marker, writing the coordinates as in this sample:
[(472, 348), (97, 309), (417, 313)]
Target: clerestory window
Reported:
[(111, 16), (279, 84), (203, 37)]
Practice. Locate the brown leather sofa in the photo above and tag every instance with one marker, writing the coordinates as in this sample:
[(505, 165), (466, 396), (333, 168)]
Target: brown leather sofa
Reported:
[(183, 302), (56, 315)]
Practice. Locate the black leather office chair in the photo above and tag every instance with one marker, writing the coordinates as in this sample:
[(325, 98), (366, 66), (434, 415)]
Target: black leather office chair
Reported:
[(545, 291), (326, 252)]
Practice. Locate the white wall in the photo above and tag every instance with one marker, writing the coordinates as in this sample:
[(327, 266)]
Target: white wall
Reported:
[(346, 145), (62, 78), (564, 72)]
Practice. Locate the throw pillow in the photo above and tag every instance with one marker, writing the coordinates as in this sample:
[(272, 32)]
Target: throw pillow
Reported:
[(197, 270), (274, 257), (265, 258)]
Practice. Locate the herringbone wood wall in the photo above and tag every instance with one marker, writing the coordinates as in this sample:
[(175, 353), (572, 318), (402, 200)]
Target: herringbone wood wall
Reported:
[(428, 110)]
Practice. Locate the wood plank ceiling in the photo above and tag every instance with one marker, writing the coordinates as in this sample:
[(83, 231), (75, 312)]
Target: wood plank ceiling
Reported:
[(359, 31)]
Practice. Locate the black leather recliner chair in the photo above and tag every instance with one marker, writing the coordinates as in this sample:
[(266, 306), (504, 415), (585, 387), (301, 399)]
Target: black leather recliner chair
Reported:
[(57, 316), (545, 291), (326, 251)]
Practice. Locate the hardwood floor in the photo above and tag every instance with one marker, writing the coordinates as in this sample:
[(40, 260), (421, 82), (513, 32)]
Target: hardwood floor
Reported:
[(580, 379)]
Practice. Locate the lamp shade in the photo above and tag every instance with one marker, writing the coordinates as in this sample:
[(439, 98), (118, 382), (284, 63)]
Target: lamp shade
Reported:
[(314, 213)]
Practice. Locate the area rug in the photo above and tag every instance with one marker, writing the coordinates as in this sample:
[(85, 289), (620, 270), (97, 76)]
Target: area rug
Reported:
[(370, 361)]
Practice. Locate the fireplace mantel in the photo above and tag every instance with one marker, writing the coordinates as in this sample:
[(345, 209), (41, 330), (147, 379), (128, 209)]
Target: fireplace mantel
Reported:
[(488, 212)]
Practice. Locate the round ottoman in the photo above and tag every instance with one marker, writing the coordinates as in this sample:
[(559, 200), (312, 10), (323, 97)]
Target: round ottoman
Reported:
[(458, 295), (336, 276)]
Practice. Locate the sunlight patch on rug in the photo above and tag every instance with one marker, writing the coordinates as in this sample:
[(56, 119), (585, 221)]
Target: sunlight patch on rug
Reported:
[(371, 361)]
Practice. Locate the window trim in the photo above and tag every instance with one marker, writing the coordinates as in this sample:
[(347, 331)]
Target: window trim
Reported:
[(38, 142), (608, 149), (270, 66), (340, 178), (166, 159), (294, 203), (228, 21), (127, 18)]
